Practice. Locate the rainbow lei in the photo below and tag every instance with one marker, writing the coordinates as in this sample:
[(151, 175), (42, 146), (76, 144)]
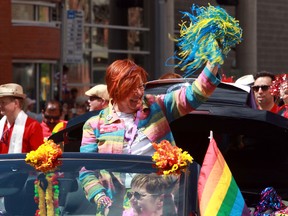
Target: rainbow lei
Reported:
[(50, 197), (208, 37), (170, 159), (45, 159)]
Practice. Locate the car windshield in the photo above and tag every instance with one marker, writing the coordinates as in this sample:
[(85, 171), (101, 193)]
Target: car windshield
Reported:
[(20, 195)]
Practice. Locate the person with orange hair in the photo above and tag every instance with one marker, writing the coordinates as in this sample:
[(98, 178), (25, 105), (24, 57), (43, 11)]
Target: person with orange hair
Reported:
[(170, 75), (133, 121)]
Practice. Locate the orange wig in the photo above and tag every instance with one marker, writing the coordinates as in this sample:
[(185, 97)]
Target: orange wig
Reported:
[(122, 76)]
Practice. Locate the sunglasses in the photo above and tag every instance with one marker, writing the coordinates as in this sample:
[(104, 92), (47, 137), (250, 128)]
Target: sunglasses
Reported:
[(263, 87), (137, 195), (55, 118), (92, 98)]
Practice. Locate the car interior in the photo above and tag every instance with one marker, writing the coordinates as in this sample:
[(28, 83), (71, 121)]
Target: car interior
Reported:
[(18, 187)]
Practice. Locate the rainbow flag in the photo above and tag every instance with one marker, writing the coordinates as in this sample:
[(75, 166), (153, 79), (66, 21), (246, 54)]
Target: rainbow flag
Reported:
[(60, 126), (218, 192)]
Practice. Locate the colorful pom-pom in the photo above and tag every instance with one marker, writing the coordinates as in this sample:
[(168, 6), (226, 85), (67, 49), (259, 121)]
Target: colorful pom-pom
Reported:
[(209, 36), (280, 81)]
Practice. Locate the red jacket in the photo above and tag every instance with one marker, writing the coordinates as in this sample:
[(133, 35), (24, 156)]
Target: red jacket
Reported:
[(32, 137)]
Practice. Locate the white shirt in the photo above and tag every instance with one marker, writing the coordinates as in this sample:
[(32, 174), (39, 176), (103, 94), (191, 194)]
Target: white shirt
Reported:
[(141, 145)]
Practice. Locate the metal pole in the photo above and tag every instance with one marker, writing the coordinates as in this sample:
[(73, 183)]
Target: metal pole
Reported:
[(63, 26)]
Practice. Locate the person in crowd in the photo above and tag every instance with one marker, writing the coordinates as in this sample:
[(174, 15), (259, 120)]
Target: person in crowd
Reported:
[(70, 102), (98, 97), (263, 96), (19, 133), (132, 121), (81, 106), (29, 109), (151, 195), (51, 117), (283, 90), (170, 75)]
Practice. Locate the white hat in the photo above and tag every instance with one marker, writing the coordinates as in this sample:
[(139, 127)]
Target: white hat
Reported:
[(12, 90), (245, 80), (99, 91)]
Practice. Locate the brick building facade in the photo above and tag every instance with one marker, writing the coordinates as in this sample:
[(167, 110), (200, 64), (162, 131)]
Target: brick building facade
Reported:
[(264, 45)]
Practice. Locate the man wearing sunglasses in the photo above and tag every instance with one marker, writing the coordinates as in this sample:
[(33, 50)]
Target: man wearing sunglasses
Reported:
[(98, 97), (262, 91), (51, 117)]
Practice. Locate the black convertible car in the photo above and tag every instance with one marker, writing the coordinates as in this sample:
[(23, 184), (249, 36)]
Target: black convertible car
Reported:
[(253, 143)]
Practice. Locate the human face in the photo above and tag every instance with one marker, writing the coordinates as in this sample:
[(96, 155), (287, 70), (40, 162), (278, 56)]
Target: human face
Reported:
[(7, 105), (133, 102), (51, 116), (263, 96), (144, 203), (96, 103)]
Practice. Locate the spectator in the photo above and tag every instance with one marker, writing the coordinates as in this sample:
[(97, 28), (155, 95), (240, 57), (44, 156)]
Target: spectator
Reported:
[(262, 93), (283, 110), (29, 109), (170, 75), (81, 106), (98, 97), (132, 121), (19, 133), (51, 117), (71, 99), (151, 194)]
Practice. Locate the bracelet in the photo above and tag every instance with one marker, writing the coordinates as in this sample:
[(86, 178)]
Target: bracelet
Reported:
[(97, 196)]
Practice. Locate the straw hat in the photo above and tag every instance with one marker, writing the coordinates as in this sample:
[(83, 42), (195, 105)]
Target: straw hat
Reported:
[(12, 90), (99, 91)]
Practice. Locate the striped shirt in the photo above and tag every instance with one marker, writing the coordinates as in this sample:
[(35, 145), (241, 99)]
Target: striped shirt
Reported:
[(104, 133)]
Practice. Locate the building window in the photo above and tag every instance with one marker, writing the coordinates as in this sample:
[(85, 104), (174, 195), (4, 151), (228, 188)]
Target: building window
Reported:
[(34, 12), (36, 80), (113, 30)]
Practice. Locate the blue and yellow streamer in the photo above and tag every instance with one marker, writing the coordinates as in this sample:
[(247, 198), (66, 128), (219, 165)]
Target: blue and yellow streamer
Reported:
[(208, 36)]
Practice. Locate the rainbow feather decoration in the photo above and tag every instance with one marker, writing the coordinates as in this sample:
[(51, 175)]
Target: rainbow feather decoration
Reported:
[(209, 36)]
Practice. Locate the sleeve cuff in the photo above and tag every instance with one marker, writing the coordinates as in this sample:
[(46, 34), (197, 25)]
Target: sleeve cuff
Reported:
[(215, 80)]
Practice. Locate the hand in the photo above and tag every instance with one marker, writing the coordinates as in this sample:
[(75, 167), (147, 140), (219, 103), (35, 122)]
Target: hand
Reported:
[(103, 201), (212, 68)]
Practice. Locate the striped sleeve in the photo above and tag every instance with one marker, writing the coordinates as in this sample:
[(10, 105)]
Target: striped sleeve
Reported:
[(187, 99), (88, 143)]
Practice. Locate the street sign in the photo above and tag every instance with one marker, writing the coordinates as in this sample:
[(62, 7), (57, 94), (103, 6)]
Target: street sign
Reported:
[(73, 37)]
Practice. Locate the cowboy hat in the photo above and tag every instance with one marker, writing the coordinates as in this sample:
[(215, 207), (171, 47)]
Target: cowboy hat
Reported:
[(12, 90)]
